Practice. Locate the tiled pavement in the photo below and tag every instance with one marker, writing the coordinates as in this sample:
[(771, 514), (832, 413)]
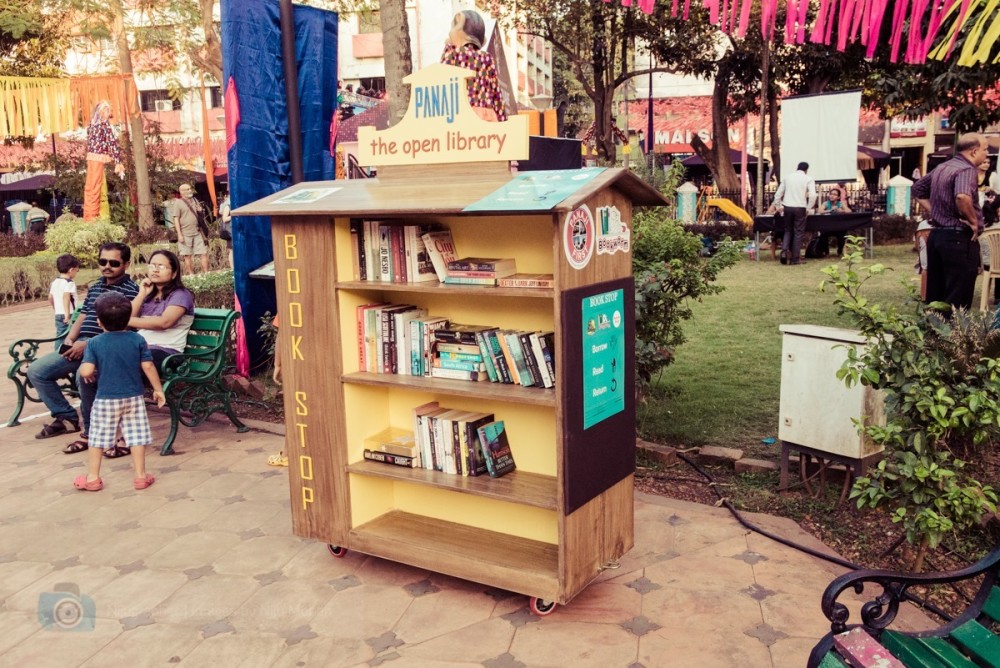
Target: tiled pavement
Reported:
[(202, 569)]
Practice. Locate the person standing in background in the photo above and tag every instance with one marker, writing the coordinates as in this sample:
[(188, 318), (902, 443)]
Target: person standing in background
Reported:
[(951, 194), (38, 218), (797, 196), (190, 241)]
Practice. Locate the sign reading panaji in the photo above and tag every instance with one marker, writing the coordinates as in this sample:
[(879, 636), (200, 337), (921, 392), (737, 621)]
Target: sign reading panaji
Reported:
[(440, 126)]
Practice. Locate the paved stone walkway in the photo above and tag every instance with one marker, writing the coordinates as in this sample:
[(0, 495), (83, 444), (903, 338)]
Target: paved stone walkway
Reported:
[(202, 569)]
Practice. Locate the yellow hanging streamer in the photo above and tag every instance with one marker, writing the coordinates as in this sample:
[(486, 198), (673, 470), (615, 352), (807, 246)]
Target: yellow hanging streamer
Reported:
[(31, 106), (970, 54), (105, 207)]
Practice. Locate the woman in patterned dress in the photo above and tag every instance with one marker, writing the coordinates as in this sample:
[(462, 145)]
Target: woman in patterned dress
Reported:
[(464, 49), (102, 148)]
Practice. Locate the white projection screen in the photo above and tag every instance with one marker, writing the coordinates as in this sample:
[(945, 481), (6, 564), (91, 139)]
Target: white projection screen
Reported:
[(823, 131)]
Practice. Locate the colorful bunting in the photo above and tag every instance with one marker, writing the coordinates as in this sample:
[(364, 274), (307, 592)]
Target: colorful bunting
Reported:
[(861, 21)]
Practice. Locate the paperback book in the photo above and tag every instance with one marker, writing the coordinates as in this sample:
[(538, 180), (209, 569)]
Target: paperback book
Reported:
[(526, 281), (496, 450), (441, 250)]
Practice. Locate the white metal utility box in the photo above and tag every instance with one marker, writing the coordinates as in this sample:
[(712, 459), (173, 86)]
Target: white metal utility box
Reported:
[(816, 408)]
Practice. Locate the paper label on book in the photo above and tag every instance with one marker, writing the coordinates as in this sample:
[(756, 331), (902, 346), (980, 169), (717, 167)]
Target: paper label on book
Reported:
[(613, 235), (578, 237), (603, 356)]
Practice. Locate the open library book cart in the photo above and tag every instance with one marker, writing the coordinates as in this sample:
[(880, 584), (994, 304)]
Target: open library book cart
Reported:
[(551, 526)]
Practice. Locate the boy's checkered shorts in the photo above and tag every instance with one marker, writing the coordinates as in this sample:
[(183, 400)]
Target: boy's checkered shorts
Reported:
[(108, 414)]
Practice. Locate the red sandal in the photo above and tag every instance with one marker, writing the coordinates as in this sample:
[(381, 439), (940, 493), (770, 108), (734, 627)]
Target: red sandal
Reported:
[(143, 483), (81, 482)]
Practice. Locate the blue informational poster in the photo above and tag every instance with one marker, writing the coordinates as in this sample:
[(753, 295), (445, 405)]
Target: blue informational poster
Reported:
[(536, 191), (603, 356)]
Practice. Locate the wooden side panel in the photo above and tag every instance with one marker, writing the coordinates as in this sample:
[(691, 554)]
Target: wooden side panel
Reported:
[(309, 340), (599, 532), (601, 266)]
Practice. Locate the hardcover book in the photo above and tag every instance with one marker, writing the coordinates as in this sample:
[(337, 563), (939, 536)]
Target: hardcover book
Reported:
[(420, 422), (458, 333), (441, 249), (420, 267), (472, 445), (386, 458), (496, 449), (527, 281)]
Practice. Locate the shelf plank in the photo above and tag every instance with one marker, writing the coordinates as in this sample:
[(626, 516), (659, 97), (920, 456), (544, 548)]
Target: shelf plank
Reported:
[(529, 489), (500, 560), (432, 287), (467, 388)]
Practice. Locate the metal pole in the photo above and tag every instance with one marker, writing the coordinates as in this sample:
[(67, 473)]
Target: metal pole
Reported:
[(765, 66), (291, 90), (649, 124)]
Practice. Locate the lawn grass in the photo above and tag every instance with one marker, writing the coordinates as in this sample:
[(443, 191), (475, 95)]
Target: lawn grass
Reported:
[(724, 385)]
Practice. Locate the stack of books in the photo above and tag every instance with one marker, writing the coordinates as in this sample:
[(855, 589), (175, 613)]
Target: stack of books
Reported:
[(390, 253), (479, 270)]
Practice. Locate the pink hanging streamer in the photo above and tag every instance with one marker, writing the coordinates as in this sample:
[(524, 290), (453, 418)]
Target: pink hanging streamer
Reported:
[(741, 29), (819, 28)]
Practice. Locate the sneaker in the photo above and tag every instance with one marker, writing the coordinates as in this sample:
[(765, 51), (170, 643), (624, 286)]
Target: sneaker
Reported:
[(784, 257)]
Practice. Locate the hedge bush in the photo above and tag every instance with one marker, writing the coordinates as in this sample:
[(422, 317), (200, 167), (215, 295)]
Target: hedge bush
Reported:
[(213, 290), (23, 279), (82, 238), (21, 245)]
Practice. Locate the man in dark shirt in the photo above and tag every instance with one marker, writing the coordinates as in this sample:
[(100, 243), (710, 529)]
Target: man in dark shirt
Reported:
[(951, 194), (46, 371)]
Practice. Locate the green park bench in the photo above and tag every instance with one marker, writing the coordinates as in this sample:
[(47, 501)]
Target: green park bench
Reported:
[(968, 640), (192, 380)]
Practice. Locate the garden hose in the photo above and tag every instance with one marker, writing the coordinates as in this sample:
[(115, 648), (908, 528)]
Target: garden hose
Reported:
[(926, 605)]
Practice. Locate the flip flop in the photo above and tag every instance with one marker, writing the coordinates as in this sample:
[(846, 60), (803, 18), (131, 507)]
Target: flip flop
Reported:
[(57, 428), (279, 459), (80, 482), (119, 450), (76, 446), (143, 483)]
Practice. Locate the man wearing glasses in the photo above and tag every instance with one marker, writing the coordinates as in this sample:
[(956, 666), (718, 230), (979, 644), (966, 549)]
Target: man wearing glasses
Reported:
[(46, 371), (950, 194)]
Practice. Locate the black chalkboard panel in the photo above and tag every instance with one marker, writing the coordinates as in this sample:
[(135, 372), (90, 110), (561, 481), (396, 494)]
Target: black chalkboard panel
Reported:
[(600, 456)]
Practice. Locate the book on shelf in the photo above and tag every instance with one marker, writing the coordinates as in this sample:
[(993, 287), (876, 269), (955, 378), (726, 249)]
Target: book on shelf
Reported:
[(508, 356), (402, 340), (497, 266), (441, 250), (394, 441), (469, 280), (385, 253), (453, 374), (386, 458), (497, 355), (460, 365), (385, 350), (459, 333), (455, 348), (526, 281), (398, 249), (496, 449), (428, 431), (357, 250), (539, 356), (474, 462), (362, 327), (422, 343), (369, 243), (444, 450), (459, 356), (419, 267), (547, 340), (484, 354), (529, 358), (524, 376), (420, 414)]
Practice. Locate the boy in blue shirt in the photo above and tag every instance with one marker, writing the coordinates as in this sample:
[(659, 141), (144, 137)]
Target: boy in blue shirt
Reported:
[(116, 360)]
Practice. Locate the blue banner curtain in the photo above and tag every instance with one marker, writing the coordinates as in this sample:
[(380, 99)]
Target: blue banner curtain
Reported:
[(258, 160)]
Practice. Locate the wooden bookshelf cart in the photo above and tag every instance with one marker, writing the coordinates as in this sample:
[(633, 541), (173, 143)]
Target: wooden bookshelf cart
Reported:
[(545, 530)]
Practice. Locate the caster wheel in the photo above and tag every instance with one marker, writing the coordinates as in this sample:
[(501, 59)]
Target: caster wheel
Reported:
[(541, 607), (337, 551)]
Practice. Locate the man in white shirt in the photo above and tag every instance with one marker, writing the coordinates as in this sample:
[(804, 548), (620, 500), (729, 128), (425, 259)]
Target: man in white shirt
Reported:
[(796, 195)]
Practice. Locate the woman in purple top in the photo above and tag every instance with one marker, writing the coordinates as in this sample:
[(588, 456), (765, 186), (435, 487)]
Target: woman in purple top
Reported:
[(163, 310)]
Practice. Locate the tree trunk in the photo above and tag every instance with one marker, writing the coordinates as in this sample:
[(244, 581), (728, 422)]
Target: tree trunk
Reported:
[(137, 139), (209, 58), (398, 64), (772, 130), (718, 158), (918, 562)]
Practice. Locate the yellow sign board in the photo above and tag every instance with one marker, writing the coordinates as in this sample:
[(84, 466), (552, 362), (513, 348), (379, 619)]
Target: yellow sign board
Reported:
[(440, 126)]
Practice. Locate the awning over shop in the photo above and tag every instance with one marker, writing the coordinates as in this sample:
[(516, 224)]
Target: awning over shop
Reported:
[(737, 158), (872, 158)]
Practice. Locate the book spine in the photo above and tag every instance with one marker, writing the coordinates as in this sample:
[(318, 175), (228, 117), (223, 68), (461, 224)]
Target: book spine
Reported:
[(450, 336), (548, 341), (496, 352), (387, 458), (392, 350), (456, 348), (484, 355), (529, 359), (460, 365), (410, 233), (469, 273), (515, 374), (368, 243), (524, 283), (357, 259), (461, 280), (454, 374), (385, 320), (523, 375), (456, 444), (465, 265), (440, 445), (360, 316), (459, 357), (441, 249), (429, 429), (399, 274), (394, 449), (536, 351), (384, 253), (415, 338)]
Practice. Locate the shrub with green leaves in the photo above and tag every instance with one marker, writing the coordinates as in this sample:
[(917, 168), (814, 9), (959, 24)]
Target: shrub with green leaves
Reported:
[(941, 381), (213, 290), (82, 238)]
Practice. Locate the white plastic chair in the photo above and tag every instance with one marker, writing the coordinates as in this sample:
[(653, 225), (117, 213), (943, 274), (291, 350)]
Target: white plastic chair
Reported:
[(992, 238)]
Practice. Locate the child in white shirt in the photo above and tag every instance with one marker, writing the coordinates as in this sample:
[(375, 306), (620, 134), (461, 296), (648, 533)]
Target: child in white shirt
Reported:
[(62, 294)]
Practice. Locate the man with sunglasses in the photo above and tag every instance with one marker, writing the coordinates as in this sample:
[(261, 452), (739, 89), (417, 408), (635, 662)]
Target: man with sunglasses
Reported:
[(46, 371)]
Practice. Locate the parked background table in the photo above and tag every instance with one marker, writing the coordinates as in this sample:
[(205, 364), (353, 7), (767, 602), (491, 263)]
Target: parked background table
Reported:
[(822, 222)]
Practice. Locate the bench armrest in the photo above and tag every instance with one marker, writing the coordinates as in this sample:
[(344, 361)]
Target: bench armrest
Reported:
[(878, 613), (178, 365), (26, 350)]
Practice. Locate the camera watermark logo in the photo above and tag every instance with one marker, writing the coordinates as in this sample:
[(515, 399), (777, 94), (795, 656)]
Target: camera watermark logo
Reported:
[(65, 609)]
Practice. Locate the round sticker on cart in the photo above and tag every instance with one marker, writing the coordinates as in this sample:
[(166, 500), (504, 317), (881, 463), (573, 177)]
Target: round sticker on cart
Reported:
[(578, 237)]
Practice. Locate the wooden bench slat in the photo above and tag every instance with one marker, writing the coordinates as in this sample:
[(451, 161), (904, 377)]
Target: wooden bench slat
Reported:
[(992, 605), (831, 660), (979, 642), (947, 652), (916, 654), (195, 341), (202, 325)]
